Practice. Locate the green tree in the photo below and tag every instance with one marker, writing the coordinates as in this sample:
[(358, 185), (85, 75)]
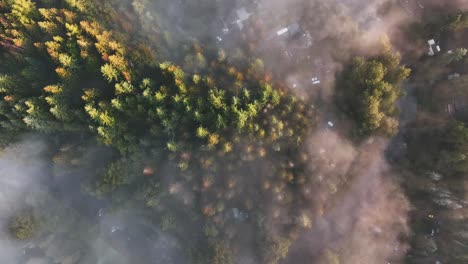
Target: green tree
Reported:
[(216, 98), (442, 149), (24, 226), (109, 72), (25, 11), (457, 21), (202, 132), (277, 249), (368, 91), (118, 173), (459, 54), (222, 253)]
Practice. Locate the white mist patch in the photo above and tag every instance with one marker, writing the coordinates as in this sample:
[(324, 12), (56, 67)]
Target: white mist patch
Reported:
[(360, 211), (377, 209), (21, 166)]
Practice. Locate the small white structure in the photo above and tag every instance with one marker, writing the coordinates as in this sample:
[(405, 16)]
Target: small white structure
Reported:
[(242, 15), (290, 30), (433, 47), (239, 215), (435, 176), (449, 109), (330, 124), (308, 38), (454, 76), (277, 147), (282, 31), (315, 81), (225, 27)]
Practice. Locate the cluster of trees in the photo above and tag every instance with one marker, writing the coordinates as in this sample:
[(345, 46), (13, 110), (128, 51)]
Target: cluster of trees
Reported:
[(202, 136), (440, 148), (67, 72), (436, 24), (368, 90), (53, 229), (455, 21), (435, 163)]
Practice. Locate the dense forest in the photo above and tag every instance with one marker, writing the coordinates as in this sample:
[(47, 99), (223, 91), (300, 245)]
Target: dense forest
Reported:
[(131, 134)]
